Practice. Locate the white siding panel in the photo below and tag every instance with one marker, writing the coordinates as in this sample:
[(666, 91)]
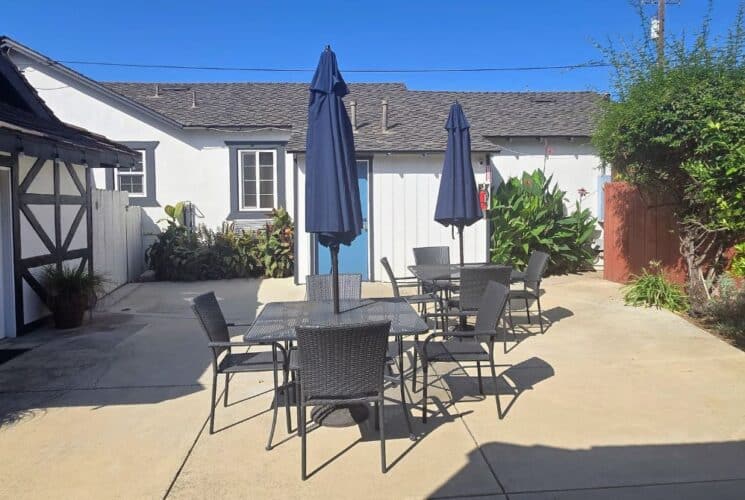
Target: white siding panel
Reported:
[(33, 307), (31, 244), (406, 188)]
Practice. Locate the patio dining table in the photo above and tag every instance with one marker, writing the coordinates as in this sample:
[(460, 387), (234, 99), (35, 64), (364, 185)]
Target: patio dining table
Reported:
[(277, 322), (437, 272)]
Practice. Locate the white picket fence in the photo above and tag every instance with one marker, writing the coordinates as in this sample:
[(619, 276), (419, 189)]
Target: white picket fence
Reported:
[(118, 251)]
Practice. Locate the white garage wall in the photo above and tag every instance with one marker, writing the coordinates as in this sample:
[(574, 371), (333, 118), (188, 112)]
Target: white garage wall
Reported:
[(405, 188), (573, 164)]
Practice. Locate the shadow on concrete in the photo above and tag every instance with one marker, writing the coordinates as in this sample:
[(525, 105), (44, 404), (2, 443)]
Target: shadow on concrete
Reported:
[(137, 357), (512, 382), (696, 470)]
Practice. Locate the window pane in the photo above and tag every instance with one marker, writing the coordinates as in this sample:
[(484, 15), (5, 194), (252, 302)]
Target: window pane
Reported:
[(266, 173), (249, 187), (249, 159), (266, 187), (267, 201), (266, 159), (131, 183), (249, 200)]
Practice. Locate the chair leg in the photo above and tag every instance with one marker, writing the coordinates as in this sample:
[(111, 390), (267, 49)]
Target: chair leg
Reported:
[(478, 372), (301, 428), (275, 402), (213, 402), (377, 416), (286, 392), (424, 392), (227, 385), (413, 367), (527, 308), (298, 398), (381, 416), (540, 313), (494, 379)]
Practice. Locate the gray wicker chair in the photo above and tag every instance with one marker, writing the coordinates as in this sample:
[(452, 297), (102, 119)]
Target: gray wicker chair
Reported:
[(458, 345), (398, 283), (226, 362), (439, 255), (342, 365), (319, 287), (531, 281)]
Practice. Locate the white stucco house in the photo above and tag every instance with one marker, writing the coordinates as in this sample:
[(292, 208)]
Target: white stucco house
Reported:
[(236, 150)]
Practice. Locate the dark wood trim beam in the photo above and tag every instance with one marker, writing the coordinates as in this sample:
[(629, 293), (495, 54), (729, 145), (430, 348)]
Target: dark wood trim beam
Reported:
[(74, 228), (35, 285), (45, 260), (57, 212), (75, 178), (32, 173), (37, 227), (6, 161), (50, 199)]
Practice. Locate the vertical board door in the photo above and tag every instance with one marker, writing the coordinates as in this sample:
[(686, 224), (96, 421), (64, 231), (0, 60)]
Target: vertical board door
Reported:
[(353, 258)]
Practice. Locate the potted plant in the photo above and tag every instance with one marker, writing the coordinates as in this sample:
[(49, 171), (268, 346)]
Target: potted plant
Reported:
[(69, 293)]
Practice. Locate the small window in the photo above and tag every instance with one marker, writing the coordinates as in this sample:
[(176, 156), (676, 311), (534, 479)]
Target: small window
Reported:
[(257, 171), (133, 179)]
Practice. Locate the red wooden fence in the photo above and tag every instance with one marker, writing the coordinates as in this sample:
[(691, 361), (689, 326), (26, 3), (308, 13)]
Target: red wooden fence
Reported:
[(637, 230)]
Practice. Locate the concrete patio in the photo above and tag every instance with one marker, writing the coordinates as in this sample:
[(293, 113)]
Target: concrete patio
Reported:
[(613, 402)]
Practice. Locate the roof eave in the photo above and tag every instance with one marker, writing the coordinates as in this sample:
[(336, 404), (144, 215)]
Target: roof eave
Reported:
[(10, 44)]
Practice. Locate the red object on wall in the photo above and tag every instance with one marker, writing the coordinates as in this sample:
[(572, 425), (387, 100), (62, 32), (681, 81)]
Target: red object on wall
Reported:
[(639, 229), (483, 199)]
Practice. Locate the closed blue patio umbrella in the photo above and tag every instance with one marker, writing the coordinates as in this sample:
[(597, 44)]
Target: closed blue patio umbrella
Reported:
[(332, 197), (458, 199)]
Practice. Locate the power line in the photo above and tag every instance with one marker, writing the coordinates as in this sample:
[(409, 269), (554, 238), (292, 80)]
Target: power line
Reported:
[(590, 64)]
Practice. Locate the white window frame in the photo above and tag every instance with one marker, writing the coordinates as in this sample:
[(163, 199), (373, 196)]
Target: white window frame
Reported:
[(119, 172), (241, 206)]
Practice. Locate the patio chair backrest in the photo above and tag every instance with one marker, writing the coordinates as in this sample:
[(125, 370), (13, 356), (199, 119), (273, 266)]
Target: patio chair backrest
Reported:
[(342, 362), (318, 287), (208, 312), (536, 267), (432, 255), (473, 282), (491, 306), (391, 277)]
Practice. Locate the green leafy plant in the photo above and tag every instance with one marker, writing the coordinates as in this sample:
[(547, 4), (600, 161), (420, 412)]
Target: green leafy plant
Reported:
[(726, 309), (182, 254), (737, 266), (528, 214), (70, 292), (652, 289), (677, 127)]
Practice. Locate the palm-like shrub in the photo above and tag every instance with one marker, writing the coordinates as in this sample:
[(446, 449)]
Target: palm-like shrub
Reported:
[(528, 214)]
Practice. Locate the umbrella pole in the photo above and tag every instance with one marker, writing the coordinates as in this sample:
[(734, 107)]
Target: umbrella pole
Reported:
[(460, 242), (335, 276)]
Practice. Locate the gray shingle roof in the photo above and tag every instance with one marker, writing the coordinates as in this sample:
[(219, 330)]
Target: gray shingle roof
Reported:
[(416, 118)]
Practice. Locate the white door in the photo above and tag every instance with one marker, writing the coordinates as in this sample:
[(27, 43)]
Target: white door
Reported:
[(7, 293)]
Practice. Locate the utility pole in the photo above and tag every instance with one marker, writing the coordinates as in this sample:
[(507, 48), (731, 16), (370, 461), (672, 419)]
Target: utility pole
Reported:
[(660, 33), (658, 27)]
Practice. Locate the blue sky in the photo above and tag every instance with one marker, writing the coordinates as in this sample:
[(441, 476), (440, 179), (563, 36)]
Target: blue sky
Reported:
[(374, 34)]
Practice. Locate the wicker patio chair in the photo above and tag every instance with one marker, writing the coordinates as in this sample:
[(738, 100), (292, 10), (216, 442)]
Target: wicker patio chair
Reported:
[(473, 282), (226, 362), (531, 281), (458, 345), (438, 255), (319, 287), (397, 283), (342, 365)]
